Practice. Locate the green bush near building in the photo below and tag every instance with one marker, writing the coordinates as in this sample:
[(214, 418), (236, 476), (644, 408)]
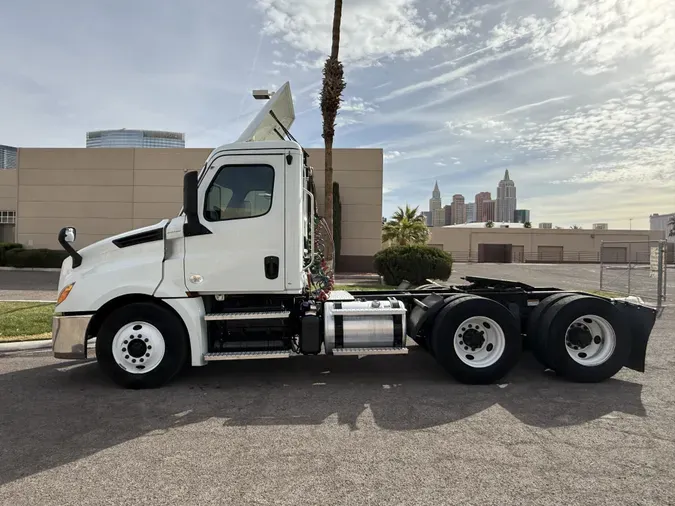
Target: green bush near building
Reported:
[(5, 247), (415, 263), (14, 255)]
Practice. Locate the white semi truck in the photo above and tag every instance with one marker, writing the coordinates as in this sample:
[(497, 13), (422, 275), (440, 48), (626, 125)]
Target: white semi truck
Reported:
[(228, 279)]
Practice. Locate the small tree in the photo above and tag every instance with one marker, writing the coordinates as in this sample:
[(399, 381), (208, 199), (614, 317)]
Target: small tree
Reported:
[(490, 224), (407, 226), (527, 224), (576, 227)]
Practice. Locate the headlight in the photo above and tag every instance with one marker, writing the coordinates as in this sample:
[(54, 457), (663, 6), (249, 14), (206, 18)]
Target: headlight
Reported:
[(64, 293)]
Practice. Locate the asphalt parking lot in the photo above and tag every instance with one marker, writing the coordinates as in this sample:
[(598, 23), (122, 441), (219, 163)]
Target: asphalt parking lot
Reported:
[(340, 430)]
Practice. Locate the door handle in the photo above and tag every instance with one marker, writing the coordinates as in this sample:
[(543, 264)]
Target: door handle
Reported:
[(271, 267)]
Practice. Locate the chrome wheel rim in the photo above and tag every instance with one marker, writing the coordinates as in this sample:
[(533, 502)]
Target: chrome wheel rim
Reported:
[(138, 347), (479, 342), (590, 340)]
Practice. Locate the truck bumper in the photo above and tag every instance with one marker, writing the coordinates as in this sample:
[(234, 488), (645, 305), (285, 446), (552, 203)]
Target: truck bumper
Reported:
[(69, 336)]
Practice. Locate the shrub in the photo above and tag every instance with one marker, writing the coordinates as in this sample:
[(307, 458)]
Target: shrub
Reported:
[(35, 258), (5, 247), (415, 264)]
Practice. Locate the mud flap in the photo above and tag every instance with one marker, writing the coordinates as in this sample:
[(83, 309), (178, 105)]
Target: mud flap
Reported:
[(641, 320)]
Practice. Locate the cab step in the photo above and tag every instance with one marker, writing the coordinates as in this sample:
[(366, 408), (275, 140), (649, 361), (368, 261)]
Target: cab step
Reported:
[(246, 355), (248, 315), (370, 351)]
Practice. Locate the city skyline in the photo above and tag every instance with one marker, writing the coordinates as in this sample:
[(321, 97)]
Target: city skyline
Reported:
[(481, 208)]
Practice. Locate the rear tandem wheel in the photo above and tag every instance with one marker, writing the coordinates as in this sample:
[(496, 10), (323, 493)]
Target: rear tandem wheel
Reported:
[(583, 338), (477, 340)]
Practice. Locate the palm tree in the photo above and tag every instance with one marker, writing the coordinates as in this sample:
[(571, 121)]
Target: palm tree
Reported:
[(407, 226), (576, 227), (489, 224), (331, 96), (527, 224), (671, 224)]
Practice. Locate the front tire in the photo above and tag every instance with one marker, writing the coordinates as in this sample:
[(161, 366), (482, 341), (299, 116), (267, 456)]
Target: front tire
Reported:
[(142, 345), (477, 340)]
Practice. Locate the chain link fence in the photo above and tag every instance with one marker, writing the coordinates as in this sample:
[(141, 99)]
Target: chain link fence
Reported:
[(638, 268)]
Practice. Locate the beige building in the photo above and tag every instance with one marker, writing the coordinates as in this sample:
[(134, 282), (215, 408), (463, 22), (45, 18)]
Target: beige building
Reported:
[(458, 210), (542, 245), (103, 192)]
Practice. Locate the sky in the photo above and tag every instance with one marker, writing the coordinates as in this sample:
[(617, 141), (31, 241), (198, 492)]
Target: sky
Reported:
[(576, 98)]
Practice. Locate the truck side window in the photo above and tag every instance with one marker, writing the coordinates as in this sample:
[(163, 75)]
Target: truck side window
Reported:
[(239, 191)]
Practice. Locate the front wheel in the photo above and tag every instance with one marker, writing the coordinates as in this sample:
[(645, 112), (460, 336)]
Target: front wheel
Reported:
[(142, 345), (477, 340)]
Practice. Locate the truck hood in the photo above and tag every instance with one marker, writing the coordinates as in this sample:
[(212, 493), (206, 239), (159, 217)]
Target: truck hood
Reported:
[(130, 262), (108, 244), (97, 254)]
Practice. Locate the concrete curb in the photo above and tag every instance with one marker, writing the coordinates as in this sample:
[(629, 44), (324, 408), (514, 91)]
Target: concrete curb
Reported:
[(30, 269), (33, 345), (26, 345), (38, 301)]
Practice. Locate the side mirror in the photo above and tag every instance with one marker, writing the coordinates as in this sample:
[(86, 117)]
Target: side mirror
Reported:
[(66, 236), (192, 224), (190, 195), (70, 234)]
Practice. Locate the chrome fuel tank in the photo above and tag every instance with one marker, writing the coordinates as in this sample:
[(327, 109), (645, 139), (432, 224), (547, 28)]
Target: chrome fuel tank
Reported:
[(364, 324)]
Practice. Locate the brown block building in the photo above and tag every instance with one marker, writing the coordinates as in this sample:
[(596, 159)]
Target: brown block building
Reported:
[(106, 191)]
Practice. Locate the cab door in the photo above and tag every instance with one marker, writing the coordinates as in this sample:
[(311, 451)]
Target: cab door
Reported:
[(241, 203)]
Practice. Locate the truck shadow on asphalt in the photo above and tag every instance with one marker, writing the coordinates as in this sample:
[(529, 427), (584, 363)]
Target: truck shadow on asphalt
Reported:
[(60, 413)]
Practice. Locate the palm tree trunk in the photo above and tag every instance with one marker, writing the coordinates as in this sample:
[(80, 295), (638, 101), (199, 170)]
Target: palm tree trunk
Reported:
[(337, 19), (333, 84), (328, 194)]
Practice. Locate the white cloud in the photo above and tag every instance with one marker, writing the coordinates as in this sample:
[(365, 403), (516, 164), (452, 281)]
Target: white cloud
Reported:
[(391, 155), (371, 29), (356, 105), (598, 36), (343, 121), (536, 104), (440, 164), (449, 77)]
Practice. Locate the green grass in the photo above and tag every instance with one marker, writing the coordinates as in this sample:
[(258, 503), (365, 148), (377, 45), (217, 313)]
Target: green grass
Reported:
[(25, 321)]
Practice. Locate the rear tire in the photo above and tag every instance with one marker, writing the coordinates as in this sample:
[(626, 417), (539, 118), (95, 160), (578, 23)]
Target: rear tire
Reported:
[(584, 338), (477, 340), (533, 328), (142, 345), (428, 338)]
